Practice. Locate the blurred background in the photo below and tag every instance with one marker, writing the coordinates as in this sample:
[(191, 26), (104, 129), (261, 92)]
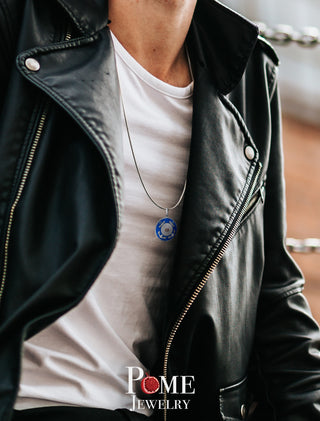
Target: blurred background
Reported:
[(293, 28)]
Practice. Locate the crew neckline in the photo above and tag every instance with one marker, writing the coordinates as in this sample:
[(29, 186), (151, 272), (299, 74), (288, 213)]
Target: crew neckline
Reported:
[(148, 78)]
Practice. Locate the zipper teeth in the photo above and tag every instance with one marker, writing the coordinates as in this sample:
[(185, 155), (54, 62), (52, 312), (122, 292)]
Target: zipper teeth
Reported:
[(22, 184), (200, 286), (18, 196)]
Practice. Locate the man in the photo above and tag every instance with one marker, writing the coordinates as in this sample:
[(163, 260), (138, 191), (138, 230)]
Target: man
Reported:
[(144, 154)]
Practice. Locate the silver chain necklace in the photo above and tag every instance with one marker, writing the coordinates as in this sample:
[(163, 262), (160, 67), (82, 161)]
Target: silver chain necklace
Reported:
[(166, 228)]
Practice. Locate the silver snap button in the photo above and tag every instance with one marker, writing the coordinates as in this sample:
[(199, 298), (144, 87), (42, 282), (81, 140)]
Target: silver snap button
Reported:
[(243, 411), (32, 64), (249, 152)]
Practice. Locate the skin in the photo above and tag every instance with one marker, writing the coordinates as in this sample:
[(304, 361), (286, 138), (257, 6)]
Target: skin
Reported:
[(154, 32)]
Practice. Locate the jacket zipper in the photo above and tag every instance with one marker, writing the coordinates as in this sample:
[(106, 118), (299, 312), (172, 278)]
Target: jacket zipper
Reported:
[(22, 184), (255, 198), (258, 195), (204, 279)]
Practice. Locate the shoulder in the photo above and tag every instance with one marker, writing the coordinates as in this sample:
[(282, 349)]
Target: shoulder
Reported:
[(271, 63), (268, 50), (263, 66)]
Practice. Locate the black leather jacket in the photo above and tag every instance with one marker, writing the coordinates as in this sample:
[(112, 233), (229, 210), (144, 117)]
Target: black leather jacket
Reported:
[(236, 318)]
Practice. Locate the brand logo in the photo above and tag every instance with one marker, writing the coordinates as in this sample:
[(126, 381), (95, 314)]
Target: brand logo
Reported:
[(150, 385)]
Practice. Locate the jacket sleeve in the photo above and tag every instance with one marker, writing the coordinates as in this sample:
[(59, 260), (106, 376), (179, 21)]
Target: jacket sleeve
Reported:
[(287, 337)]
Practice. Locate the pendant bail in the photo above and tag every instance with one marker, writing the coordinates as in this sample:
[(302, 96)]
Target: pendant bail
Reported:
[(167, 212)]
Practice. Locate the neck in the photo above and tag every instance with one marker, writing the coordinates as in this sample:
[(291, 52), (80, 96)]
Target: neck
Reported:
[(154, 33)]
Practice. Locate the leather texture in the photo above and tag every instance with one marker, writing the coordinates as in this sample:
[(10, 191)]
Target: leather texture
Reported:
[(236, 318)]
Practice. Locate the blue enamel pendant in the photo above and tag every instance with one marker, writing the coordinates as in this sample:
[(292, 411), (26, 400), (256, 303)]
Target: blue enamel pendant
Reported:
[(166, 229)]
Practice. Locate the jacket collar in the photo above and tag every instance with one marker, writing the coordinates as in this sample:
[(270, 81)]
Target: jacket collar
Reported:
[(223, 41), (226, 38), (90, 16)]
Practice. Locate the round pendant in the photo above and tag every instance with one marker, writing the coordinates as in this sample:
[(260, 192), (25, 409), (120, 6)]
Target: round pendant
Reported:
[(166, 229)]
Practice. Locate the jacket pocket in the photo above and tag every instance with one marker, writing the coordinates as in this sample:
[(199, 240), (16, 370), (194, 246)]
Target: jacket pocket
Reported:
[(257, 197), (233, 401)]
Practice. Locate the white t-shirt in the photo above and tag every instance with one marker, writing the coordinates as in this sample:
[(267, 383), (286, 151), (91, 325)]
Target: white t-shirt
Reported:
[(81, 359)]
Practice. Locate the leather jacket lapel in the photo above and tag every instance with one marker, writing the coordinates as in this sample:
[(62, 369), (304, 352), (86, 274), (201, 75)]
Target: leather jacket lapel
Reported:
[(80, 75), (93, 19), (218, 176), (219, 172), (226, 42)]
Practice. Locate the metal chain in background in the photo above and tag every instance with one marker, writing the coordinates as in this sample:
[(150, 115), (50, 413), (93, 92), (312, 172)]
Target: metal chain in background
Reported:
[(286, 34), (309, 245)]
